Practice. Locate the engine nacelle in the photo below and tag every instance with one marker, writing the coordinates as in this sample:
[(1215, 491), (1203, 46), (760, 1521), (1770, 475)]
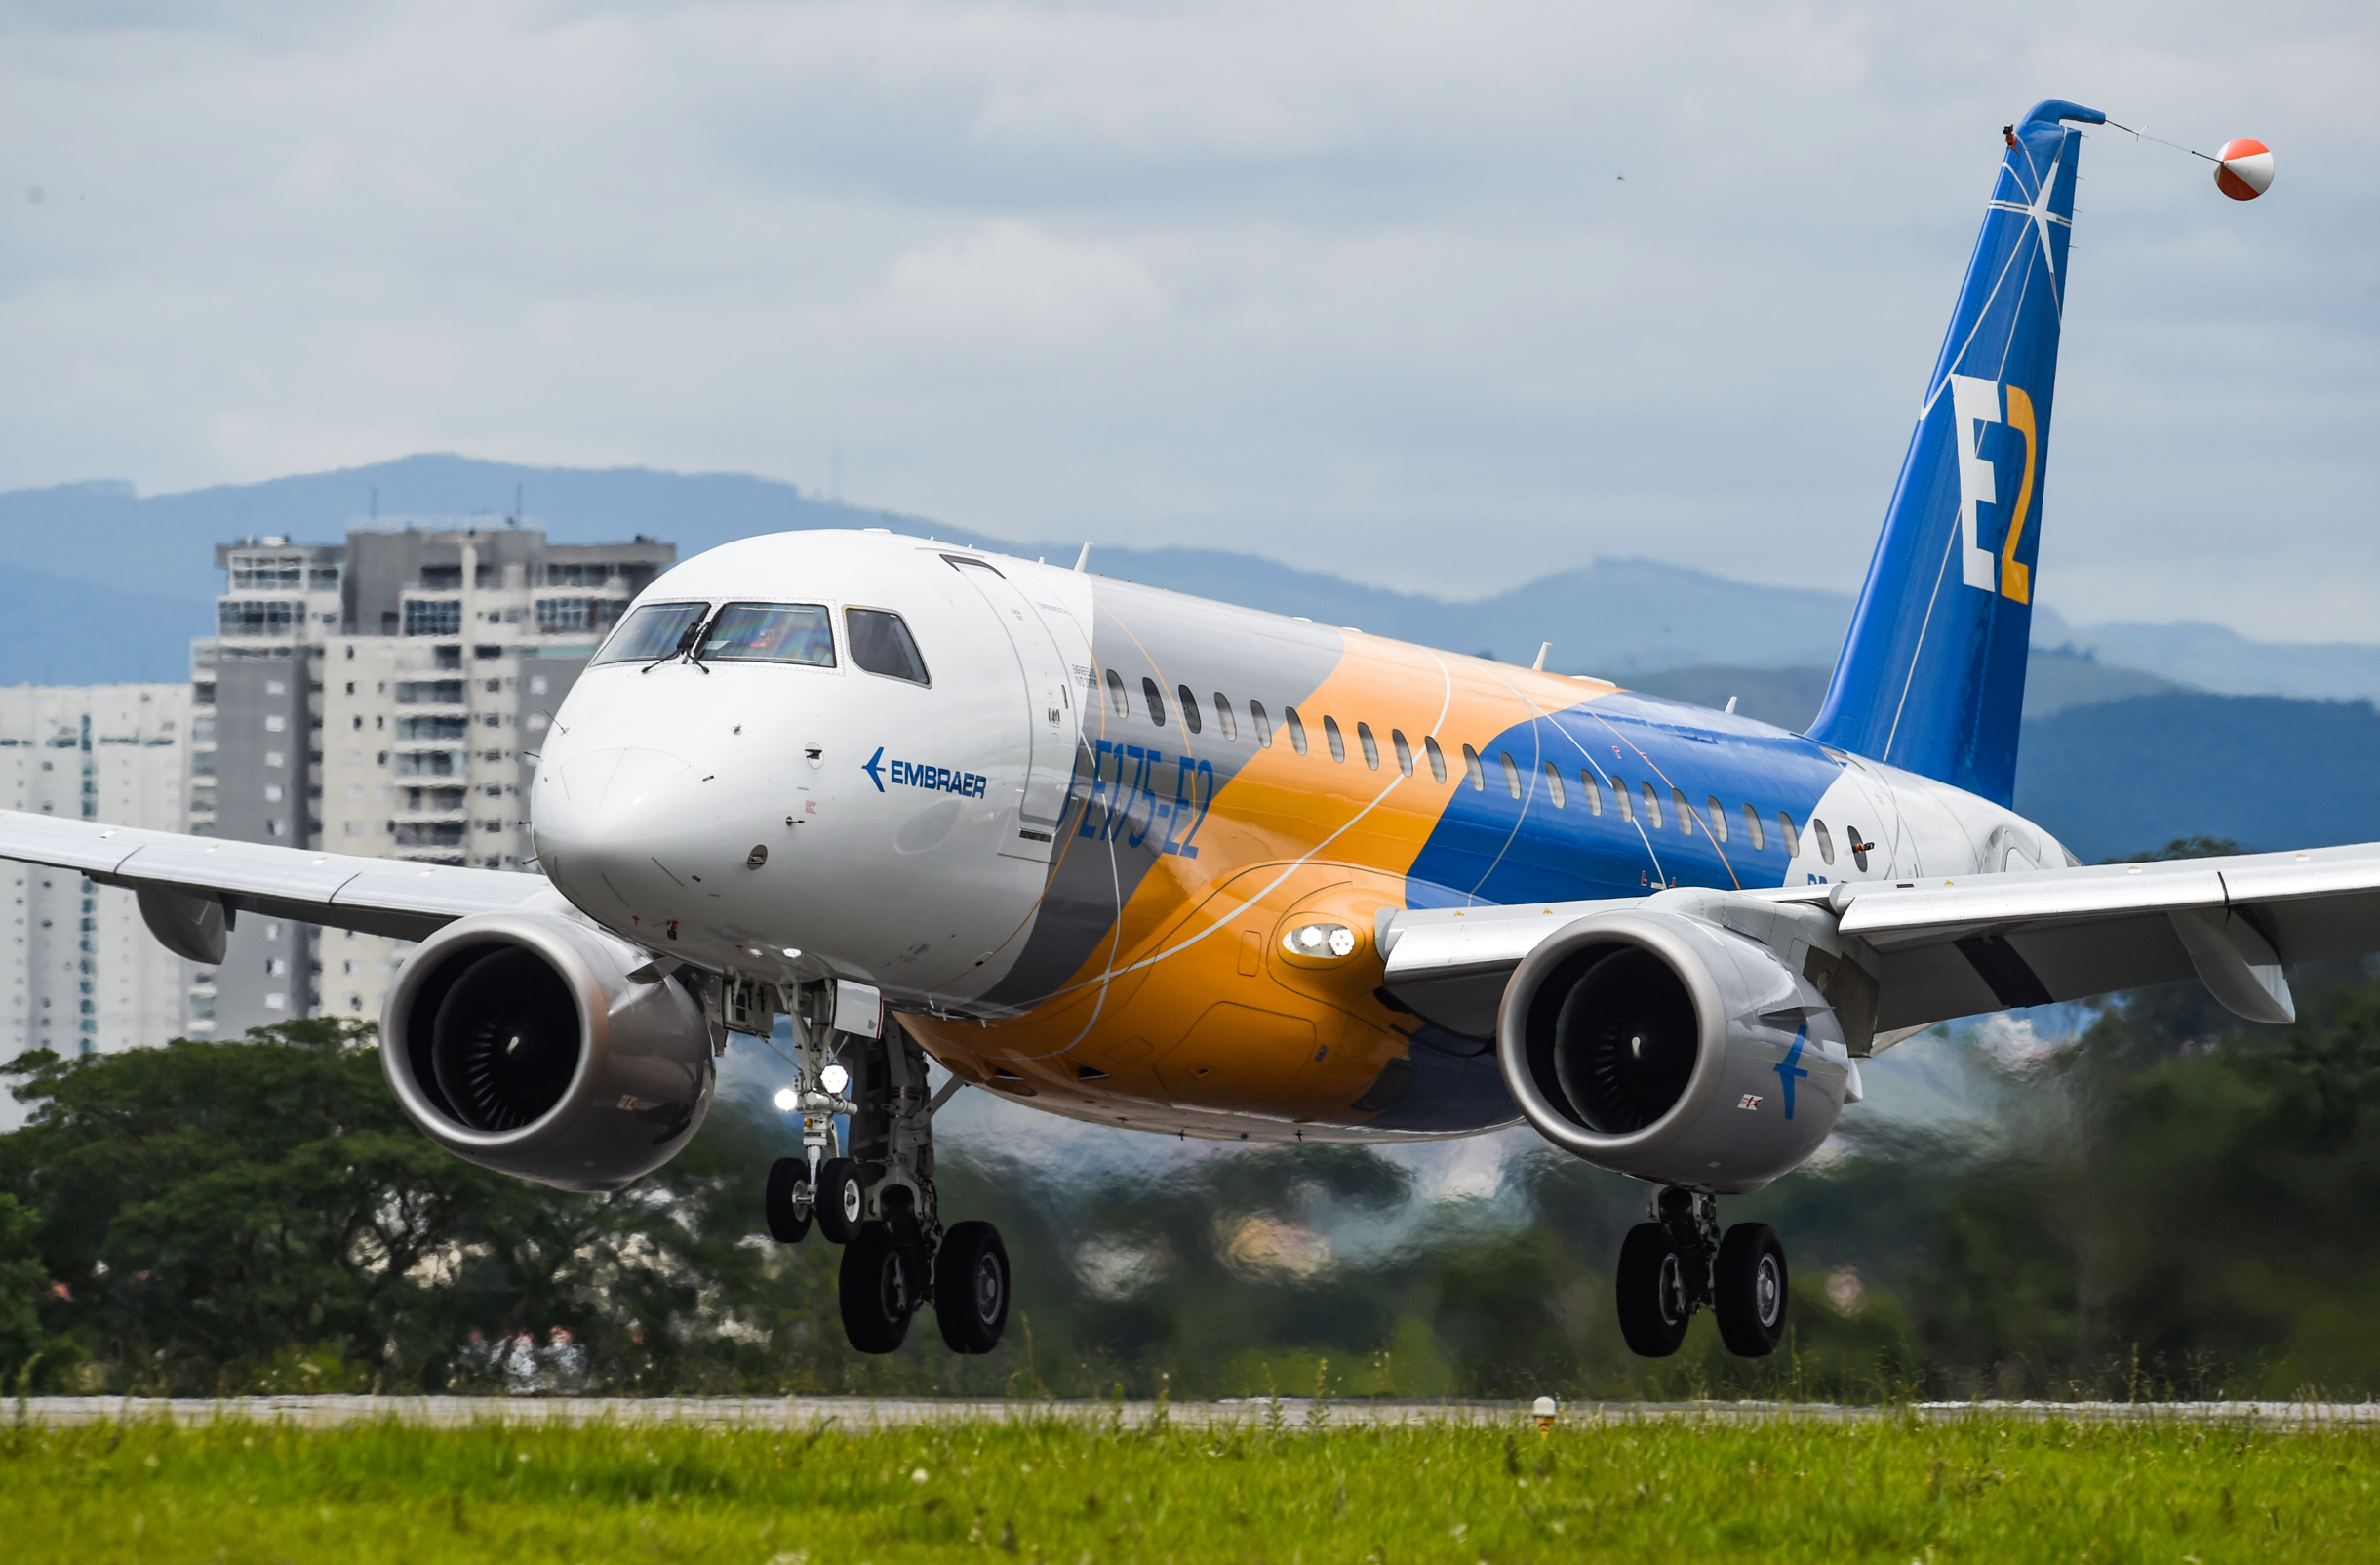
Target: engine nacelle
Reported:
[(520, 1042), (1668, 1047)]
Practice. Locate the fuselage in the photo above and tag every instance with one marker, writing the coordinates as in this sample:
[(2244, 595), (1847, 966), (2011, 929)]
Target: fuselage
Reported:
[(1123, 853)]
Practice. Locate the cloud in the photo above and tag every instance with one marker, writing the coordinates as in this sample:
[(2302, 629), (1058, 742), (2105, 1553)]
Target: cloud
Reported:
[(1335, 283), (1009, 281)]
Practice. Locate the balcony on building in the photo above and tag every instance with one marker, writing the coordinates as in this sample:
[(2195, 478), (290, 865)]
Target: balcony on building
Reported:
[(431, 804), (578, 613), (429, 612), (451, 695), (437, 842), (417, 759)]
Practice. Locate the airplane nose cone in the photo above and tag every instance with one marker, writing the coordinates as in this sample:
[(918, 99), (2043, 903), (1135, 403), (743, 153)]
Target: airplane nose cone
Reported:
[(605, 821), (618, 781)]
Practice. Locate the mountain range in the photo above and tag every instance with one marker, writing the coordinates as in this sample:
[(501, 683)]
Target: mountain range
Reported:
[(2133, 734), (109, 584)]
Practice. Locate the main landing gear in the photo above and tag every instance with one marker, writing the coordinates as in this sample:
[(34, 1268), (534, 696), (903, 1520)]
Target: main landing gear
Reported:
[(1679, 1263), (877, 1198)]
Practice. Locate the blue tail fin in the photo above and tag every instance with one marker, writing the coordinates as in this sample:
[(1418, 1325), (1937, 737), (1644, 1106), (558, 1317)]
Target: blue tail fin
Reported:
[(1932, 675)]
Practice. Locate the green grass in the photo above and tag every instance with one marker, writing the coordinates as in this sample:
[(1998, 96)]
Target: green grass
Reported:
[(1980, 1489)]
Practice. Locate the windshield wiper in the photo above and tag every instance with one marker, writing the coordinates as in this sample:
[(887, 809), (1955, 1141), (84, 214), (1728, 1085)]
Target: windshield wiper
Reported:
[(687, 643)]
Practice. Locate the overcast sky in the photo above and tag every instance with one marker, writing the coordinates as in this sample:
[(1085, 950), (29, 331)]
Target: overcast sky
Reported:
[(1439, 296)]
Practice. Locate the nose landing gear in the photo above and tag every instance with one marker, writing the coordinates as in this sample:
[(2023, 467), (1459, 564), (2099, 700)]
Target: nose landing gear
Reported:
[(877, 1198), (1679, 1263)]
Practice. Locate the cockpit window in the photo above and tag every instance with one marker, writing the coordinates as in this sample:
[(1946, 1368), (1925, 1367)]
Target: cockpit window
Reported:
[(771, 632), (881, 644), (652, 632)]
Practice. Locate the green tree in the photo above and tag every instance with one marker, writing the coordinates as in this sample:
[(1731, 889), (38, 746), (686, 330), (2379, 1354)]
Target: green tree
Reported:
[(23, 1280), (260, 1213)]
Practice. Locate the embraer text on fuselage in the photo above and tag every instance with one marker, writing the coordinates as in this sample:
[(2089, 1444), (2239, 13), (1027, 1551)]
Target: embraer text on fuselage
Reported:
[(917, 774)]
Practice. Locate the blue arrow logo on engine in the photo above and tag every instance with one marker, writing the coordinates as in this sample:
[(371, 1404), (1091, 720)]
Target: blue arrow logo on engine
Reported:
[(873, 768), (1789, 1069)]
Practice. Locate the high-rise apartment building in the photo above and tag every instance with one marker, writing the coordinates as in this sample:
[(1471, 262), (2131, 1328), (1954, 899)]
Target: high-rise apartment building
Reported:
[(79, 972), (386, 697)]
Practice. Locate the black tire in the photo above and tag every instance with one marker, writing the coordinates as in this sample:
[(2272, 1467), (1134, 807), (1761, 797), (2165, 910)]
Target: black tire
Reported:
[(843, 1200), (971, 1288), (787, 1214), (1751, 1285), (1652, 1300), (873, 1289)]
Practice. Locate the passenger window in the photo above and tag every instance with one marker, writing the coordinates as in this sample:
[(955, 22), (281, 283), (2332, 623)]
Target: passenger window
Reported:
[(771, 632), (1553, 784), (1686, 816), (1297, 728), (1115, 698), (1224, 718), (1264, 725), (1190, 716), (1438, 758), (1335, 738), (1590, 792), (1473, 771), (1752, 824), (1512, 774), (1826, 840), (1404, 751), (1156, 698), (881, 644), (1371, 745), (1652, 804), (1714, 818), (1793, 838), (1619, 792)]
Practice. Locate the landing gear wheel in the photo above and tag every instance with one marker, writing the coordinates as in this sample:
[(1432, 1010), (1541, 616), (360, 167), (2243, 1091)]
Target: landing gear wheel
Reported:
[(787, 1201), (873, 1289), (971, 1288), (1652, 1293), (842, 1201), (1750, 1281)]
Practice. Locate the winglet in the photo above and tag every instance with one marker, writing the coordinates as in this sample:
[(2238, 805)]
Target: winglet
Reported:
[(2054, 109), (1083, 559)]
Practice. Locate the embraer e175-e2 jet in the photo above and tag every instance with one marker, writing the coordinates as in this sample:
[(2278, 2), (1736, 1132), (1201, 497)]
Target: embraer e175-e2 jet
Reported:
[(1143, 860)]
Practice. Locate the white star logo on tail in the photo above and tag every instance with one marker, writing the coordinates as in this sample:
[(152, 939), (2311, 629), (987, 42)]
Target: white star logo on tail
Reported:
[(2037, 209)]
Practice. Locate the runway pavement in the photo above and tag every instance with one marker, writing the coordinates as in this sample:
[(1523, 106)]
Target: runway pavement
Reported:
[(1290, 1412)]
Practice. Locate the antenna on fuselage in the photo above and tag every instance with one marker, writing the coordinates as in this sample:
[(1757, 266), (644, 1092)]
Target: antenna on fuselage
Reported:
[(1083, 559), (1543, 647)]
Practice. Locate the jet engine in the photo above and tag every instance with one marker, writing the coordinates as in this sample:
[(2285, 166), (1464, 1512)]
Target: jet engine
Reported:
[(1672, 1048), (544, 1048)]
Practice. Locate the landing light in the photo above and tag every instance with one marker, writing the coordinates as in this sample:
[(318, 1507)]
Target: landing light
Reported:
[(1318, 940), (786, 1101), (793, 953), (834, 1079)]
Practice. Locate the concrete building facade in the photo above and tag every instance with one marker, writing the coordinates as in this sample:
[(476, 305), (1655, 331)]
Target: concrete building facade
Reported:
[(79, 972), (420, 665)]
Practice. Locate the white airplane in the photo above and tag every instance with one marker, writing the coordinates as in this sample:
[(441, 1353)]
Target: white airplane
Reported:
[(1143, 860)]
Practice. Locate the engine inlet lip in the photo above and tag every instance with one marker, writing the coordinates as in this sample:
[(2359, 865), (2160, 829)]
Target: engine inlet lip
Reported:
[(487, 931), (1654, 934)]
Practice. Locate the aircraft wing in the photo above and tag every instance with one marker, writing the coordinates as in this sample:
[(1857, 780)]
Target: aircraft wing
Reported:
[(187, 884), (1944, 949)]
